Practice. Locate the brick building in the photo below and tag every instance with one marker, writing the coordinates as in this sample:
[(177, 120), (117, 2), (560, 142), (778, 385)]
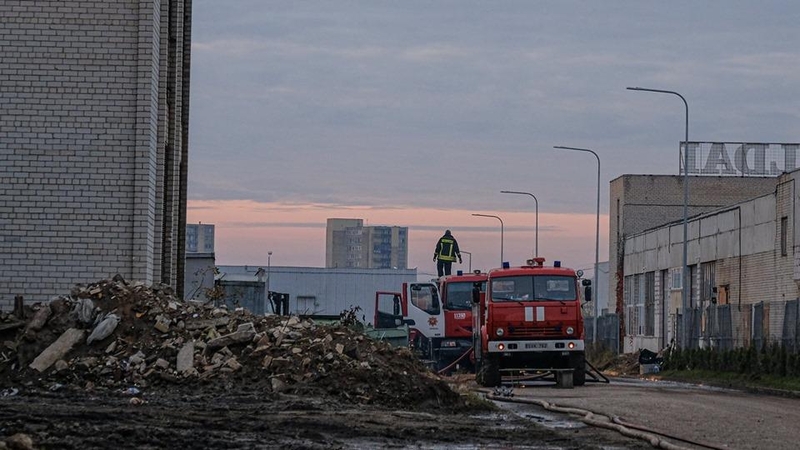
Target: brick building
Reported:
[(642, 202), (743, 274), (93, 143)]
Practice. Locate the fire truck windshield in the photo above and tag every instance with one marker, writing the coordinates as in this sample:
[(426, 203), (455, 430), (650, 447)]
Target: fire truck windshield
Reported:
[(534, 288), (459, 295)]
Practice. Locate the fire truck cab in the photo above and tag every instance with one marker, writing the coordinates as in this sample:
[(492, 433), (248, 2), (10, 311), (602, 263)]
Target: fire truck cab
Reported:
[(455, 349), (529, 319)]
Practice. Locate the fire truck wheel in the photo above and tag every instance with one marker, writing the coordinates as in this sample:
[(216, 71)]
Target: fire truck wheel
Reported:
[(489, 372), (578, 370)]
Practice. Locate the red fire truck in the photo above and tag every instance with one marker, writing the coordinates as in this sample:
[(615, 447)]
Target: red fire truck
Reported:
[(455, 350), (529, 319), (438, 316)]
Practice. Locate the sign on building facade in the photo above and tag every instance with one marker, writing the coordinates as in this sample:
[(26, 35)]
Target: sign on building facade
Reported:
[(740, 159)]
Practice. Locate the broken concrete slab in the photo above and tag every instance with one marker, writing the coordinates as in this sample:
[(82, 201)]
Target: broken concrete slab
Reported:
[(185, 359), (244, 333), (57, 349)]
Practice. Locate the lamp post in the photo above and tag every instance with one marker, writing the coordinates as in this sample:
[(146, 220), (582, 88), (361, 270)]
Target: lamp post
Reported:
[(596, 235), (536, 248), (269, 270), (685, 279), (470, 259), (501, 234)]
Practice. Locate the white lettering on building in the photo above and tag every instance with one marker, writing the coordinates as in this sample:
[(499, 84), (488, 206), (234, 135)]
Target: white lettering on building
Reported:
[(740, 159)]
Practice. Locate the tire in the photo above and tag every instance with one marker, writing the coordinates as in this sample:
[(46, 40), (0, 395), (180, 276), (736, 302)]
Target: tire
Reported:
[(489, 372), (578, 369)]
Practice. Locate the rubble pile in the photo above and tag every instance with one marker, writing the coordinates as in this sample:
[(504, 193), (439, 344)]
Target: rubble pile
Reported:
[(115, 335)]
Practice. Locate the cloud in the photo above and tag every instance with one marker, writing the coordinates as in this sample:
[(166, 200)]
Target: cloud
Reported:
[(418, 105)]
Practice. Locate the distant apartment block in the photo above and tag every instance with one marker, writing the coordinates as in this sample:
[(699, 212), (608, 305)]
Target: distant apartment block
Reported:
[(199, 238), (350, 244), (200, 260)]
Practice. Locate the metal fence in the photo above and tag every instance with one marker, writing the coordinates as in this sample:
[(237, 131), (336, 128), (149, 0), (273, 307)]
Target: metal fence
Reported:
[(728, 326), (607, 331), (791, 325)]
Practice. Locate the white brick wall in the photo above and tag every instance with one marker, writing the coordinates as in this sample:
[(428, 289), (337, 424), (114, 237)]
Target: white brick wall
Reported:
[(641, 202), (753, 267), (79, 120)]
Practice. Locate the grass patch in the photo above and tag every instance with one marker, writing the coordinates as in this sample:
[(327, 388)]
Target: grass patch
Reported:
[(733, 380)]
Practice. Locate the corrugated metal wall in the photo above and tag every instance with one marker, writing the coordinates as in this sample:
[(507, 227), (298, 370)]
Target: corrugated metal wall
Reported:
[(327, 291)]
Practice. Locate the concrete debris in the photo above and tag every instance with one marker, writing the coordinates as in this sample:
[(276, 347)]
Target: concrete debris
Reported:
[(39, 318), (57, 349), (153, 340), (19, 441), (162, 323), (185, 360)]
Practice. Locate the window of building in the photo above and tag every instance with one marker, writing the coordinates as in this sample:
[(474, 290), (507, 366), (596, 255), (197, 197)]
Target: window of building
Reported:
[(208, 239), (784, 236), (191, 239), (707, 283), (635, 298), (676, 279), (650, 304)]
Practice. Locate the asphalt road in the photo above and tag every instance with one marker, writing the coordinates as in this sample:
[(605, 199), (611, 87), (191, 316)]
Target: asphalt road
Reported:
[(719, 417)]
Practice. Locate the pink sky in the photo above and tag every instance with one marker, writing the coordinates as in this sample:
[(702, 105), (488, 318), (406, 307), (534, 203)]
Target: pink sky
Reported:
[(247, 230)]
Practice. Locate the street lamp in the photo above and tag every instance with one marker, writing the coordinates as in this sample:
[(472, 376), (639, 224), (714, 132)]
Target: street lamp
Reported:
[(536, 248), (596, 235), (501, 234), (685, 283), (470, 259), (269, 270)]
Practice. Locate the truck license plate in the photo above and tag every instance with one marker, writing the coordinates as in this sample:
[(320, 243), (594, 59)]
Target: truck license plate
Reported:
[(535, 345)]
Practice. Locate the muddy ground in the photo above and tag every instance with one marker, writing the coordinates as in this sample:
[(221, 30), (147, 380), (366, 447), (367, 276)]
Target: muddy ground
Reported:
[(114, 364), (239, 420)]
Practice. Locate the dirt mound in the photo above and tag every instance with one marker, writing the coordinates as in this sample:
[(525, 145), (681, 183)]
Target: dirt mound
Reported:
[(128, 337)]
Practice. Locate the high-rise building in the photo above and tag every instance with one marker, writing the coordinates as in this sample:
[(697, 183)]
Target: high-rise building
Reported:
[(351, 244), (199, 238), (200, 265), (94, 103)]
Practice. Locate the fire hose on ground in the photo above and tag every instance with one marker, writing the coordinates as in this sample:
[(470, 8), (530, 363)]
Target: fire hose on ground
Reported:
[(654, 437), (452, 364)]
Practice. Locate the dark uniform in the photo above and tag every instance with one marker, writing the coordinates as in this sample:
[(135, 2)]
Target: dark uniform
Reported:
[(446, 253)]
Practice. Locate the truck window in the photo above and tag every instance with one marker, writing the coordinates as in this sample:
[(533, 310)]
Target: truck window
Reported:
[(534, 288), (459, 296), (425, 299)]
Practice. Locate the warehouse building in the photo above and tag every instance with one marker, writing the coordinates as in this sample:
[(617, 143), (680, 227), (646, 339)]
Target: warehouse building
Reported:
[(744, 276), (311, 291)]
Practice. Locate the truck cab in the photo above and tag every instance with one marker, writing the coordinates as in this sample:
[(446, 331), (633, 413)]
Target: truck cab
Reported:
[(454, 350), (529, 318)]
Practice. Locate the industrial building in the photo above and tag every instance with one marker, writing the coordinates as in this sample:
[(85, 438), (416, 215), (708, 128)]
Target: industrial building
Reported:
[(744, 273), (94, 132), (312, 291), (643, 202)]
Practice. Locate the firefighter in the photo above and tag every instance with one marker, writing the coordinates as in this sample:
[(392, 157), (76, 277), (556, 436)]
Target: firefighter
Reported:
[(446, 253)]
